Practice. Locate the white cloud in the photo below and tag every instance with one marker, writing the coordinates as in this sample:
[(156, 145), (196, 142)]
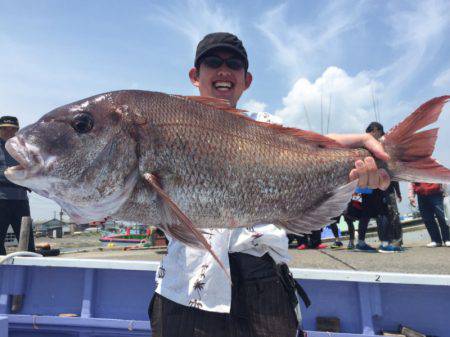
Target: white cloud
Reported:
[(257, 111), (413, 32), (443, 80), (301, 49), (196, 18), (346, 102), (254, 106)]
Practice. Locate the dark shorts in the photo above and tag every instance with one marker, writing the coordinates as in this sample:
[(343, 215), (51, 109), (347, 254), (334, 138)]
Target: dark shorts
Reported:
[(259, 308), (352, 212)]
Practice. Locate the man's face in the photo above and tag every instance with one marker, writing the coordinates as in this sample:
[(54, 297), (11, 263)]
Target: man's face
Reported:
[(221, 82), (376, 133), (7, 132)]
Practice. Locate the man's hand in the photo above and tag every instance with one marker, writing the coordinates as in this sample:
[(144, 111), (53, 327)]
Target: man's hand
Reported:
[(412, 201), (366, 171)]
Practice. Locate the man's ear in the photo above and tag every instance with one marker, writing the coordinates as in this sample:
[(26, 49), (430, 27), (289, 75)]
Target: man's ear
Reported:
[(248, 79), (193, 76)]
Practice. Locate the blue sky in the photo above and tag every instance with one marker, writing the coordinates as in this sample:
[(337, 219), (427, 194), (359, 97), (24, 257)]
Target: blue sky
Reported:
[(339, 57)]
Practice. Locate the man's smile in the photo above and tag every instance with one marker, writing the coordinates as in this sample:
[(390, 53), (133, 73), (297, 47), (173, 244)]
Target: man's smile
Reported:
[(223, 85)]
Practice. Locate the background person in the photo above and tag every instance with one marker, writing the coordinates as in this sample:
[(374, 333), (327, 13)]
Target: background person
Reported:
[(447, 202), (13, 198), (392, 194), (311, 241), (369, 210), (375, 205), (351, 232), (431, 204)]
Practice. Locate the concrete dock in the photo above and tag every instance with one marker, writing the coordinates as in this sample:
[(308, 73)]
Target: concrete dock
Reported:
[(416, 258)]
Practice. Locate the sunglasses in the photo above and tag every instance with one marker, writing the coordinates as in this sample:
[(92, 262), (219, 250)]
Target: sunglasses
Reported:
[(215, 62)]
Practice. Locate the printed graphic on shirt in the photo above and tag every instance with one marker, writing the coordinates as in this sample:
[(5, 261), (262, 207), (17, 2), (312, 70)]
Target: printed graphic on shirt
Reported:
[(203, 270), (198, 287), (195, 303), (161, 271), (255, 237)]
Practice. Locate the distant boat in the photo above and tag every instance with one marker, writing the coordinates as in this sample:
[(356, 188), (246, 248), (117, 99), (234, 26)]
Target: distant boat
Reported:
[(124, 238)]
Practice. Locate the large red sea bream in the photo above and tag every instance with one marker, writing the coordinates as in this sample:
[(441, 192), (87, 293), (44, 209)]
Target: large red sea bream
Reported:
[(187, 163)]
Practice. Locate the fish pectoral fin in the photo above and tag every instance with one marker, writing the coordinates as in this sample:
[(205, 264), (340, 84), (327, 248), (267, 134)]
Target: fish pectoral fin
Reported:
[(319, 216), (178, 225), (178, 232)]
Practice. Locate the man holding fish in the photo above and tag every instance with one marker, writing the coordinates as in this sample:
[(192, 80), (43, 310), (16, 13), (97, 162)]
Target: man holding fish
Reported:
[(193, 298)]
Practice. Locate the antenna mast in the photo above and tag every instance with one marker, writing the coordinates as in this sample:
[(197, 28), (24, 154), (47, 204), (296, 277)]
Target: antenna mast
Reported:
[(329, 115), (321, 113), (307, 117), (373, 104)]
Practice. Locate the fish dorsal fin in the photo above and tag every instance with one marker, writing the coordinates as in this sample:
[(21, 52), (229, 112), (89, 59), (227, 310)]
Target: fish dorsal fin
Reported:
[(321, 215), (178, 225), (218, 103), (309, 136)]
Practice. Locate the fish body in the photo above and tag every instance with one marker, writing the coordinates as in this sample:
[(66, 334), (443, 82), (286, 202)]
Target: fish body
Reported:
[(223, 170), (184, 163)]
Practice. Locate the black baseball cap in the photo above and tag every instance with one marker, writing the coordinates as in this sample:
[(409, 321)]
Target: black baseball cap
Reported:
[(375, 125), (223, 41), (9, 121)]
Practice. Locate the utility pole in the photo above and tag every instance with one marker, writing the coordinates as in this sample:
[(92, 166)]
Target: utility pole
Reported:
[(24, 239)]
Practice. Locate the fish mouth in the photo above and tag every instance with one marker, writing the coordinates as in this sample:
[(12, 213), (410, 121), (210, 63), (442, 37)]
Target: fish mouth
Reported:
[(30, 160)]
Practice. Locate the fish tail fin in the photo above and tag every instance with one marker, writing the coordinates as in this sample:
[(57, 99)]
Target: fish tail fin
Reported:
[(411, 151)]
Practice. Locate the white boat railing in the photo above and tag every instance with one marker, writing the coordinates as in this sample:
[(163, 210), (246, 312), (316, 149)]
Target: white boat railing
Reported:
[(298, 273)]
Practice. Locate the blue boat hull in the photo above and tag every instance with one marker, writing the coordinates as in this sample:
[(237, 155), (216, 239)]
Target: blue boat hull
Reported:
[(110, 298)]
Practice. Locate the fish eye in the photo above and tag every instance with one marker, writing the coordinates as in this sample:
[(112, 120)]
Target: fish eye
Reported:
[(83, 122)]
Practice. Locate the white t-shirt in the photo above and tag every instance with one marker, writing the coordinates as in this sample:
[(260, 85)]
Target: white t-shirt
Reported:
[(192, 277)]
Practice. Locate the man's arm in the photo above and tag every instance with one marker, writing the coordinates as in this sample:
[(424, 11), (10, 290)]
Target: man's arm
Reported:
[(366, 170)]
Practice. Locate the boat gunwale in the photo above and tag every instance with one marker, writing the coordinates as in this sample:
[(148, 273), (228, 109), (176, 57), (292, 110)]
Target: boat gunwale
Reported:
[(298, 273)]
